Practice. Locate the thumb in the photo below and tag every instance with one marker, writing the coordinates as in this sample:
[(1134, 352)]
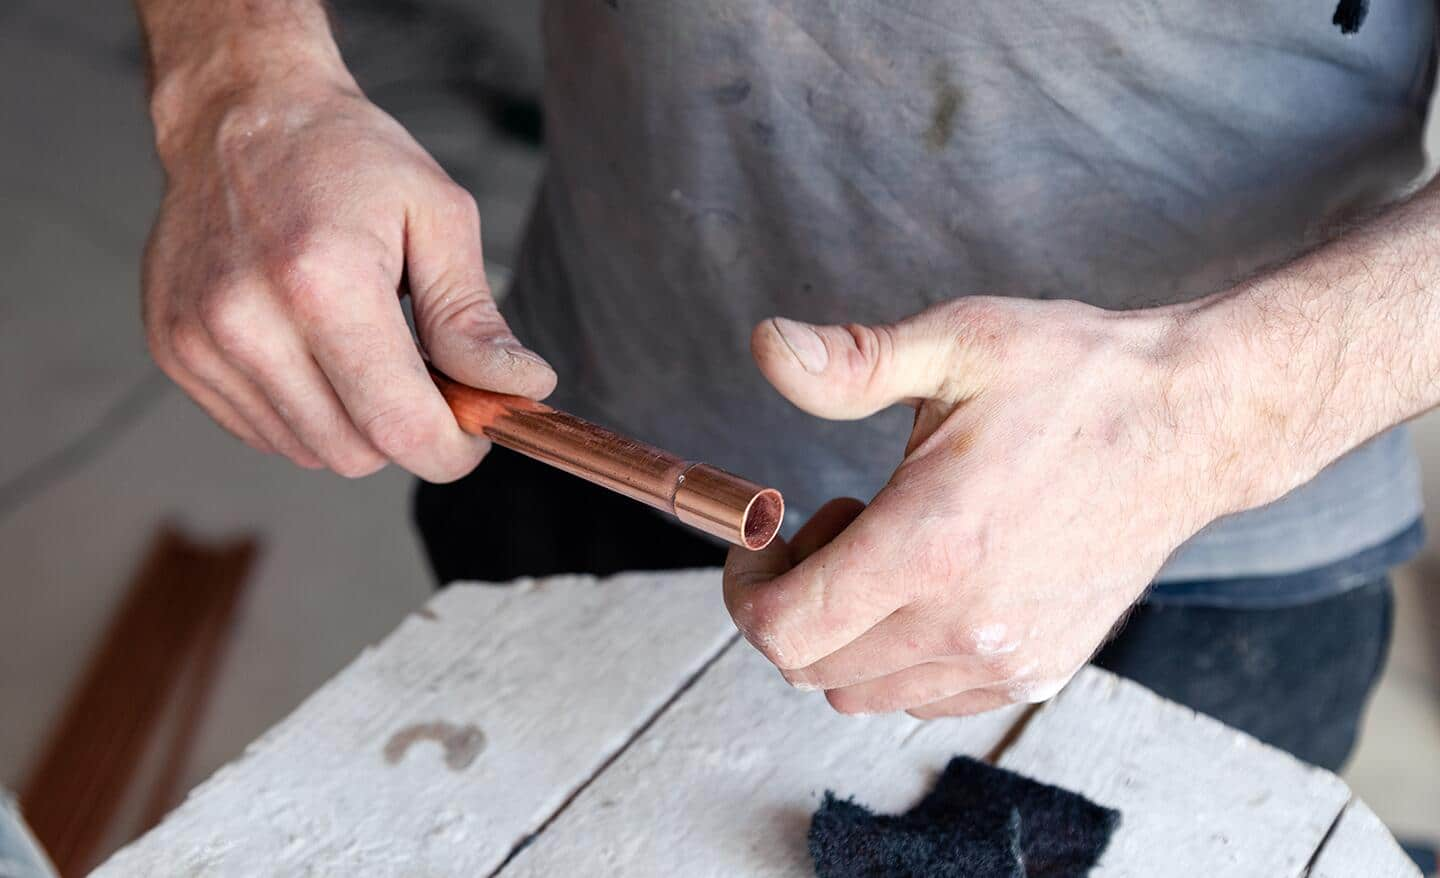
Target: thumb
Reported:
[(849, 372), (459, 325)]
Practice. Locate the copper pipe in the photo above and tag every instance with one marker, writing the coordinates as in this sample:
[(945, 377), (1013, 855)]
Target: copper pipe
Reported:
[(705, 497)]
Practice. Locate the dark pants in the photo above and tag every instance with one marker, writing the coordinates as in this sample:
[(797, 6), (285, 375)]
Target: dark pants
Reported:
[(1296, 677)]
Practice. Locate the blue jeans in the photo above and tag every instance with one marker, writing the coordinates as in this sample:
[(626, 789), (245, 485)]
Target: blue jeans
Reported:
[(1297, 677)]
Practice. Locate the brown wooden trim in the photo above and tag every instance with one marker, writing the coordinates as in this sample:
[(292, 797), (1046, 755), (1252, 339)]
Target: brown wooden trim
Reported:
[(94, 750)]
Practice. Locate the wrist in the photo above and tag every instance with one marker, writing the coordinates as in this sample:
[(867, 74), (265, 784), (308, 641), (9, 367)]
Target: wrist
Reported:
[(193, 88), (1246, 402)]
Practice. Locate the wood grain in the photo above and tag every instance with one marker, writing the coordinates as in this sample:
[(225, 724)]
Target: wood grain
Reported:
[(442, 749), (1197, 797), (725, 781), (569, 727)]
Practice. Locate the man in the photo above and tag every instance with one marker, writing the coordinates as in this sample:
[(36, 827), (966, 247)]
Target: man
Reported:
[(1092, 246)]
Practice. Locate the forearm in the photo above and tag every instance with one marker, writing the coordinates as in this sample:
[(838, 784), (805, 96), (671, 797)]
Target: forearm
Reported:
[(1314, 358), (199, 51)]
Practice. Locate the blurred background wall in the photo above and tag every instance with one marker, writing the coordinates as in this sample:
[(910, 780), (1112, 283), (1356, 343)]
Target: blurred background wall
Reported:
[(97, 450)]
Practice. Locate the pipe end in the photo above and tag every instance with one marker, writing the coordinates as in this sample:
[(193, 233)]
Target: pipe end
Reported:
[(734, 509), (763, 518)]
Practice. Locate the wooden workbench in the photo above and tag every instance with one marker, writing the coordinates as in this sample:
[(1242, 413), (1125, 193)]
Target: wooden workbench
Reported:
[(579, 727)]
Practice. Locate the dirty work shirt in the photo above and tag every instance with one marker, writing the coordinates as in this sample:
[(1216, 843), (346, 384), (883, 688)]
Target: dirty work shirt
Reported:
[(714, 164)]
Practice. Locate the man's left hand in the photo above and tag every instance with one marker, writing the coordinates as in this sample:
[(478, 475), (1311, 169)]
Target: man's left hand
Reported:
[(1060, 454)]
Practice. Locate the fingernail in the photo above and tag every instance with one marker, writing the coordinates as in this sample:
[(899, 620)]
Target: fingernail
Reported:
[(804, 343), (516, 351), (527, 355)]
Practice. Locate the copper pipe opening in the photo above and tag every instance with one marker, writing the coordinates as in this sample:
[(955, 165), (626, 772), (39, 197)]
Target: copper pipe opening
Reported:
[(763, 518), (705, 497)]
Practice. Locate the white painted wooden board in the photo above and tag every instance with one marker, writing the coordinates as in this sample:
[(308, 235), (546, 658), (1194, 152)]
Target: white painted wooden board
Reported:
[(1197, 797), (725, 782), (441, 749), (625, 727), (1360, 845)]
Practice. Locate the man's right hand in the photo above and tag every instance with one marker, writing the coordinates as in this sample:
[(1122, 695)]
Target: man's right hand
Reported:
[(295, 215)]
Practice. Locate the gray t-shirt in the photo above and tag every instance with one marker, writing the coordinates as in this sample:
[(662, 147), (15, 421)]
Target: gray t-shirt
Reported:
[(712, 164)]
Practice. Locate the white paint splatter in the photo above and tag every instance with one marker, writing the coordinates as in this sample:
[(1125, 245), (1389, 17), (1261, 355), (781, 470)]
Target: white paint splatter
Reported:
[(1036, 691), (994, 639)]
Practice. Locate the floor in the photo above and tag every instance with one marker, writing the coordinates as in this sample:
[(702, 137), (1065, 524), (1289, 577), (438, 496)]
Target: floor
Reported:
[(98, 449)]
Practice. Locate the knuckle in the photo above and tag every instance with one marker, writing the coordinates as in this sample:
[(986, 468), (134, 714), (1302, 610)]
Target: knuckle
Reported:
[(765, 634), (753, 613), (956, 641), (308, 271), (987, 638), (984, 638), (987, 628), (771, 640), (742, 612), (874, 350), (224, 312), (188, 344), (762, 622), (460, 204), (465, 314), (870, 341)]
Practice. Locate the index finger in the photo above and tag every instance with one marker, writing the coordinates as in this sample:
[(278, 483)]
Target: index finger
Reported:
[(366, 351), (797, 616), (746, 569)]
